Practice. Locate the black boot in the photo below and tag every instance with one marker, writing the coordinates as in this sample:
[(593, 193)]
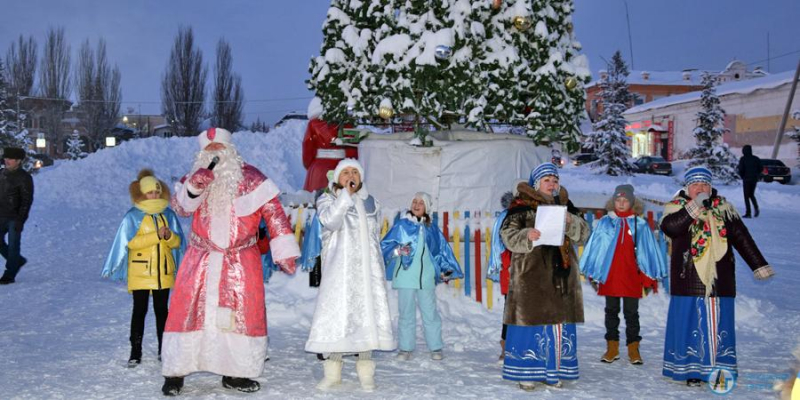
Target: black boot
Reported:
[(6, 279), (694, 382), (240, 384), (136, 352), (172, 386), (756, 213)]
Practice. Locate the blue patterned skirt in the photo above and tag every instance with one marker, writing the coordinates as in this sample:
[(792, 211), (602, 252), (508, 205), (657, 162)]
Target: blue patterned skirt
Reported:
[(700, 337), (541, 353)]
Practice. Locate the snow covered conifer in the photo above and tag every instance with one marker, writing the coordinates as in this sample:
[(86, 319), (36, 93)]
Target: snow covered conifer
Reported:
[(709, 150), (341, 74), (431, 59), (608, 139), (75, 146), (11, 134), (8, 115)]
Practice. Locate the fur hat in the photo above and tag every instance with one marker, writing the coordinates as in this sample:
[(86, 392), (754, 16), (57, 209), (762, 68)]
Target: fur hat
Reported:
[(347, 162), (14, 153), (137, 191), (625, 191), (696, 174), (544, 169), (214, 135), (426, 199)]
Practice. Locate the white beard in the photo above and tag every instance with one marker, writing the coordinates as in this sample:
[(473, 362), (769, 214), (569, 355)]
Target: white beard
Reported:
[(227, 176)]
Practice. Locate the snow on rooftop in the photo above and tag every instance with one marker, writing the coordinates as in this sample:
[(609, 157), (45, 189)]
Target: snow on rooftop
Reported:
[(669, 78), (738, 87)]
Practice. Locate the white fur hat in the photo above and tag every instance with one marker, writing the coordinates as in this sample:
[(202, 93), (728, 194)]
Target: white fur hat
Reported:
[(214, 135), (347, 162), (426, 198)]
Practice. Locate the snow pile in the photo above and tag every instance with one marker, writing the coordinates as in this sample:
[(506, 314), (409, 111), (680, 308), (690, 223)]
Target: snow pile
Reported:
[(102, 178)]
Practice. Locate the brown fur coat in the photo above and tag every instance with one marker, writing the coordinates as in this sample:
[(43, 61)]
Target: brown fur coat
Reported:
[(541, 291)]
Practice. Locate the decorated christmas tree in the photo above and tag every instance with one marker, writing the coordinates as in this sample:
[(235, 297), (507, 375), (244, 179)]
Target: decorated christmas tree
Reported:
[(608, 138), (709, 150), (483, 63)]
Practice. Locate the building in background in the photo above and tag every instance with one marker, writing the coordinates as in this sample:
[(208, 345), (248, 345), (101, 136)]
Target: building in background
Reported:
[(754, 105)]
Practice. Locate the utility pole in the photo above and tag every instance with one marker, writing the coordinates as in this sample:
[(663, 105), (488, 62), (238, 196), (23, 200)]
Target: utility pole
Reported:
[(630, 42), (779, 135), (768, 68)]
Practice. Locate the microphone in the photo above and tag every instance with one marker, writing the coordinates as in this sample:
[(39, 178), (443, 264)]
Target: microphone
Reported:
[(555, 196), (213, 163)]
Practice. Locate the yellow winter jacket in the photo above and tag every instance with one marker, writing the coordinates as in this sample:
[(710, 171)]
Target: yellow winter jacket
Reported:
[(150, 262)]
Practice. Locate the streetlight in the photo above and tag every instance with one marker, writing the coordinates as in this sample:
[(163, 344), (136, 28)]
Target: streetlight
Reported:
[(41, 142)]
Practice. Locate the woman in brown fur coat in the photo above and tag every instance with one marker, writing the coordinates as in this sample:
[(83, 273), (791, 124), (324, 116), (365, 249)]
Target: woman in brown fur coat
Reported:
[(544, 299)]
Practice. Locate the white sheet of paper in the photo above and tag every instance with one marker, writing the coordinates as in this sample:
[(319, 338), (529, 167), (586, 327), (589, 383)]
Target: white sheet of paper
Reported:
[(551, 221)]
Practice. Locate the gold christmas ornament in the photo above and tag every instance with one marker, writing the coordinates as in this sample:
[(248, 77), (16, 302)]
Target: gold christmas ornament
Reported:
[(522, 23), (386, 112), (496, 4), (571, 83), (570, 27)]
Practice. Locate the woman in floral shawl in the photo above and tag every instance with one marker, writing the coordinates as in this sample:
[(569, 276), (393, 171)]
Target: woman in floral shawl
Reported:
[(704, 229)]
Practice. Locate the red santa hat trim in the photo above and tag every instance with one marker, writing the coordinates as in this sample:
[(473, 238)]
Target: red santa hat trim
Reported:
[(214, 135)]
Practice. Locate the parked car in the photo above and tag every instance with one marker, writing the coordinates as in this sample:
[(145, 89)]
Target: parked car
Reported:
[(41, 160), (583, 158), (653, 165), (775, 170)]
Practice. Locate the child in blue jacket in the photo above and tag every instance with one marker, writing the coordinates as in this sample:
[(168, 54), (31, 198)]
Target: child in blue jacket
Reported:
[(417, 257)]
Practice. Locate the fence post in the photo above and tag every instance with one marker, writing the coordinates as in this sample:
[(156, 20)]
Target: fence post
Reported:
[(467, 288), (457, 249), (489, 282), (298, 225), (478, 280)]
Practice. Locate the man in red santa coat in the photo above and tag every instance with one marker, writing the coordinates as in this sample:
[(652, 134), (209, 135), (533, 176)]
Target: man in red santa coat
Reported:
[(217, 319)]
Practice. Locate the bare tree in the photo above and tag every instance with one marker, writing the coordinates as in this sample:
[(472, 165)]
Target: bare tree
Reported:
[(183, 86), (99, 93), (21, 66), (228, 94), (54, 82)]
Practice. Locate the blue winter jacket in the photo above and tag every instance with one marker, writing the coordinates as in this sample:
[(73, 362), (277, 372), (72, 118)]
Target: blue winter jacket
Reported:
[(599, 250), (406, 232)]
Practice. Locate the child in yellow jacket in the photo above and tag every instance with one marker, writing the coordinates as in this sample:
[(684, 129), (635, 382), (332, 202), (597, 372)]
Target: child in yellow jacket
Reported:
[(146, 252)]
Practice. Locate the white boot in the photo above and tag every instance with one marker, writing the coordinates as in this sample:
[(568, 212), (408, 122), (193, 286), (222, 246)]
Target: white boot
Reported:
[(366, 374), (333, 375)]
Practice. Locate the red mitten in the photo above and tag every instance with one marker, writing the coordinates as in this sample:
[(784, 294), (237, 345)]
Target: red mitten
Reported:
[(287, 265), (201, 178)]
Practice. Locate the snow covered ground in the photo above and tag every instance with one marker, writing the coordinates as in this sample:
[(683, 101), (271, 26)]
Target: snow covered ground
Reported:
[(64, 331)]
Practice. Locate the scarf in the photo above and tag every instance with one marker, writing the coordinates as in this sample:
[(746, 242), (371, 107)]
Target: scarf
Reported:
[(709, 236), (151, 207)]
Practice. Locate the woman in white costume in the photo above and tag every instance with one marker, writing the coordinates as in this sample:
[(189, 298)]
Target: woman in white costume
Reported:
[(352, 311)]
